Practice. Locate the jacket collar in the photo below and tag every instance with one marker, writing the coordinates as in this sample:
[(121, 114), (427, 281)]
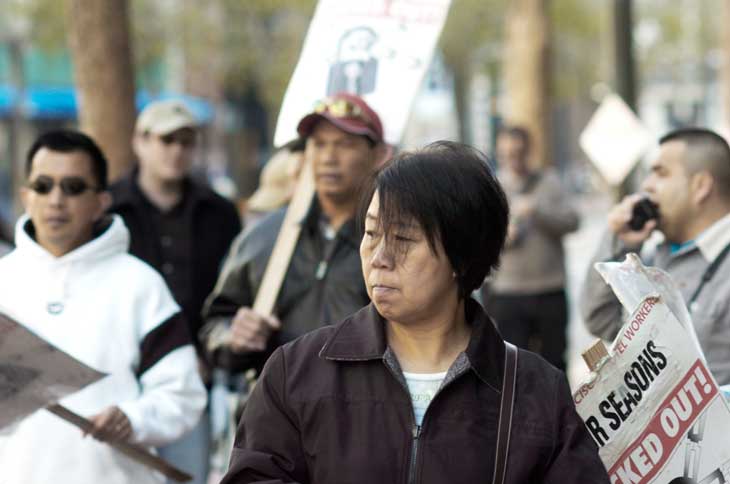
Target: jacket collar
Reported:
[(714, 239), (347, 232), (361, 337)]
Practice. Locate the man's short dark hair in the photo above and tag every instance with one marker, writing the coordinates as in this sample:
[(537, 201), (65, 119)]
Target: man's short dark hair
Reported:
[(706, 150), (518, 132), (449, 189), (67, 141)]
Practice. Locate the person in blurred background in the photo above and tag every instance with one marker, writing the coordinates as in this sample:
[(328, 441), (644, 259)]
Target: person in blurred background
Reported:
[(689, 183), (6, 240), (344, 144), (527, 294), (408, 389), (71, 281), (277, 182), (181, 228)]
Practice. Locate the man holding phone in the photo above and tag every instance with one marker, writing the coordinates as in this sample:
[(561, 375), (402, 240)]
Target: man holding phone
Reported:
[(689, 183)]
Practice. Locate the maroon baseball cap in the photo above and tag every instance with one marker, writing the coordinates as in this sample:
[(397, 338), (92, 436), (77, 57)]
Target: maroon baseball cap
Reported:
[(348, 112)]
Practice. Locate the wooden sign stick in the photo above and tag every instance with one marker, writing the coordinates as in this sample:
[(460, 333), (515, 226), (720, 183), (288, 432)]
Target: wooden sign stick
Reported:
[(281, 254), (286, 241), (289, 234), (132, 451)]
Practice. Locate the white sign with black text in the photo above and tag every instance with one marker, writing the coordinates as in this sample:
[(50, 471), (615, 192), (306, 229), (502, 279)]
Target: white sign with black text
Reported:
[(378, 49)]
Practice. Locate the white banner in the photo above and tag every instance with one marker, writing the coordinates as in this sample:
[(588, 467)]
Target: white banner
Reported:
[(378, 49)]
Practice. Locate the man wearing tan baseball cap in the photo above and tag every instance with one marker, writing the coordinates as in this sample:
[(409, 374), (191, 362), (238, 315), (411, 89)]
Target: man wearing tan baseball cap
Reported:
[(181, 228)]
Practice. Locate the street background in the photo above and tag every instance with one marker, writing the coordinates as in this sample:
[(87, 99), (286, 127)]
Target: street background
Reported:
[(544, 64)]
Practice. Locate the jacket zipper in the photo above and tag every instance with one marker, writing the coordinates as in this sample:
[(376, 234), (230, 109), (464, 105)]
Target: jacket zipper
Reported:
[(416, 435), (414, 454), (416, 429), (321, 270)]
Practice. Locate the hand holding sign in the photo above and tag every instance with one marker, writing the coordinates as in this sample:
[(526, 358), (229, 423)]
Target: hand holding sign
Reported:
[(111, 425)]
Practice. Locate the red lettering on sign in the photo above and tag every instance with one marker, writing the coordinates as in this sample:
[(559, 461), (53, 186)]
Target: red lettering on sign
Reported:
[(644, 458)]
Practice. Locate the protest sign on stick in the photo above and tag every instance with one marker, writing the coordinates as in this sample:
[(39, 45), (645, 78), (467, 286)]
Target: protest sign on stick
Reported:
[(651, 404), (34, 373), (286, 242), (379, 50)]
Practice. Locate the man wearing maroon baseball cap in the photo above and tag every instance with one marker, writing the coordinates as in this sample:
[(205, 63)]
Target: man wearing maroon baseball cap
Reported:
[(344, 144)]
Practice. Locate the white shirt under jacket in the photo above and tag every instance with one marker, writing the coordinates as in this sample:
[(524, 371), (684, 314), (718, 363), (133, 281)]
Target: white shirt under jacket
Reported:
[(115, 314)]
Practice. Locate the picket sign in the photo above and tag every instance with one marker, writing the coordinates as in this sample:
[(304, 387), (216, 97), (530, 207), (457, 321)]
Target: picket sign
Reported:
[(652, 405), (615, 139), (379, 50), (34, 373)]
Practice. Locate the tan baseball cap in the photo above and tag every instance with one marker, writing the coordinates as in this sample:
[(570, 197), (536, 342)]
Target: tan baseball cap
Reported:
[(164, 117)]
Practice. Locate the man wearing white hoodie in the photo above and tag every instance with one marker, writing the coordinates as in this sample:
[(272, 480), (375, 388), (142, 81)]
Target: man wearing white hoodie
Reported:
[(71, 281)]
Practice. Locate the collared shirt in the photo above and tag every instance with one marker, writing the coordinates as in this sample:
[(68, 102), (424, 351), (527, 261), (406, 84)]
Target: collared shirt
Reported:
[(172, 229), (714, 239)]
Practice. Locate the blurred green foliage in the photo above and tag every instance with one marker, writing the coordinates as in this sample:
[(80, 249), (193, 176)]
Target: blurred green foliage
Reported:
[(250, 47)]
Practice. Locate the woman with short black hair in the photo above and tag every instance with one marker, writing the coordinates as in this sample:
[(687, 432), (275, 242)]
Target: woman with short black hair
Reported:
[(418, 386)]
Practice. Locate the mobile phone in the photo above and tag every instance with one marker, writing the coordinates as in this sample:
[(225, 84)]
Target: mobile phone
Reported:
[(644, 210)]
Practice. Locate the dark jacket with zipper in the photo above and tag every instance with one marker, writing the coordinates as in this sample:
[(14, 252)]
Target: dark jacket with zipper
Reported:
[(212, 223), (322, 285), (333, 407)]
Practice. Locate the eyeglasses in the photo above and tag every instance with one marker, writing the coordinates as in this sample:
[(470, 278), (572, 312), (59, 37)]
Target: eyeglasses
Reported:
[(184, 140), (341, 108), (71, 186)]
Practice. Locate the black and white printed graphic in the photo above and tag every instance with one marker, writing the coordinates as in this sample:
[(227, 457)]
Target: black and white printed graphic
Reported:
[(33, 373)]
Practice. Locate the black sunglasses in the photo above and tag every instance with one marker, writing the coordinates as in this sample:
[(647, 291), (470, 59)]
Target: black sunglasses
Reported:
[(70, 186)]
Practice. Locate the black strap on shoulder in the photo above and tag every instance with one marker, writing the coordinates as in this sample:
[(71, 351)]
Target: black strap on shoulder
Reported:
[(709, 273), (504, 426)]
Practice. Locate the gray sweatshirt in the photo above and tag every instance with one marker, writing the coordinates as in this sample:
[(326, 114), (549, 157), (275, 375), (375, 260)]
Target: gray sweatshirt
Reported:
[(534, 262)]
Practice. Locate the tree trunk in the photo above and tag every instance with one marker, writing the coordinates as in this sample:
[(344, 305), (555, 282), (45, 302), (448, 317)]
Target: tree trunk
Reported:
[(527, 74), (100, 47), (726, 66)]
